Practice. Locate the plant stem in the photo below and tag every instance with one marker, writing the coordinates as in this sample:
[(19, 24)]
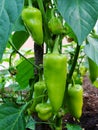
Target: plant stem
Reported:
[(58, 123), (23, 55), (30, 3), (47, 35), (57, 41), (69, 77), (73, 64), (53, 12), (40, 74), (10, 59), (41, 7)]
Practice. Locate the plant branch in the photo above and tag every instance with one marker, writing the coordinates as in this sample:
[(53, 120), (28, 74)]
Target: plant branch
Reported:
[(41, 7), (73, 64), (10, 59), (30, 3), (47, 36), (23, 55)]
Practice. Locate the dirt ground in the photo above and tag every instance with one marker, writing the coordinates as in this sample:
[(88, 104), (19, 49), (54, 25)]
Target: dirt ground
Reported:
[(89, 119)]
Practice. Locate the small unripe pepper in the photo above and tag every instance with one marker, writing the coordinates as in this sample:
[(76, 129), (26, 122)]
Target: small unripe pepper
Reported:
[(39, 88), (55, 70), (32, 18), (44, 111), (55, 25), (75, 100), (93, 70), (58, 128)]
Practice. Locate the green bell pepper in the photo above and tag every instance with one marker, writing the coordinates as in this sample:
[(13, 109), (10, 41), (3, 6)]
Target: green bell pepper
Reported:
[(44, 111), (55, 70), (55, 26), (39, 88), (32, 18), (93, 69), (75, 100)]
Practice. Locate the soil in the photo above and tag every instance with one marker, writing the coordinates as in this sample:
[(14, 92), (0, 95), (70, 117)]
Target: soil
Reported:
[(89, 118)]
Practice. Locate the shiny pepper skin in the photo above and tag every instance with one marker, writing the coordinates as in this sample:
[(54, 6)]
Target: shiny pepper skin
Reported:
[(32, 18), (93, 70), (75, 100), (44, 111), (39, 88), (55, 70), (55, 76), (55, 25)]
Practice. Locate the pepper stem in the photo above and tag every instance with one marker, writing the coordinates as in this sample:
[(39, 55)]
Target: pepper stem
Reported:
[(73, 64), (57, 41), (58, 123), (53, 12), (30, 3), (73, 82), (40, 73)]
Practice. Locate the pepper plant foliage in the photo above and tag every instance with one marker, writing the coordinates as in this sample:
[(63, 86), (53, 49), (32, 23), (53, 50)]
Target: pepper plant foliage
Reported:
[(71, 19), (81, 15), (11, 118), (9, 12)]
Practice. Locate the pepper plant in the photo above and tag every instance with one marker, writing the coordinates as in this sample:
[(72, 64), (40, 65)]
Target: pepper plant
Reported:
[(47, 85)]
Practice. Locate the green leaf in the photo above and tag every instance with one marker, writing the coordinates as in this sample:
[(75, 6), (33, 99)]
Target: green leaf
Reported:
[(73, 127), (19, 38), (19, 25), (31, 124), (81, 15), (9, 12), (11, 118), (25, 72), (91, 49)]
